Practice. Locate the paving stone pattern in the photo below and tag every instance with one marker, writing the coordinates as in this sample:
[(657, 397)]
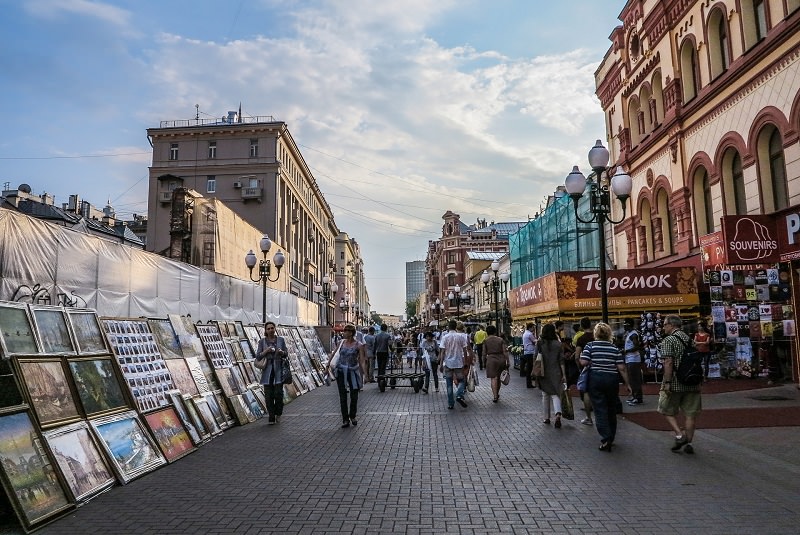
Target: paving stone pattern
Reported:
[(413, 466)]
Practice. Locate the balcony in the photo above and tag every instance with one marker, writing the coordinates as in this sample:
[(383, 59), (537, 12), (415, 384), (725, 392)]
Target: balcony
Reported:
[(252, 193), (164, 196)]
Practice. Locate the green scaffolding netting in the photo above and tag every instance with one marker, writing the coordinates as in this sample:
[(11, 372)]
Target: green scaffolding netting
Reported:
[(554, 241)]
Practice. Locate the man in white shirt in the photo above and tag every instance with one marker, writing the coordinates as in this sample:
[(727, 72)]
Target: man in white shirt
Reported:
[(454, 351), (528, 354)]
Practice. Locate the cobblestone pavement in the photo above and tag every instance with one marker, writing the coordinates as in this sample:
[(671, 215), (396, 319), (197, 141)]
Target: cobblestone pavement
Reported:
[(413, 466)]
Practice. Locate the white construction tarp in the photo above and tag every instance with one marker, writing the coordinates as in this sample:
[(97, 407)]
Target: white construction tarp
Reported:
[(43, 262)]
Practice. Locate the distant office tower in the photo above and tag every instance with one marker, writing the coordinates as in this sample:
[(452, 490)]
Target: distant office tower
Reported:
[(415, 279)]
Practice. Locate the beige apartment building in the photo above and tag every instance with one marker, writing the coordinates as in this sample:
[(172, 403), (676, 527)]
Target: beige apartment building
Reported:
[(702, 108), (254, 167)]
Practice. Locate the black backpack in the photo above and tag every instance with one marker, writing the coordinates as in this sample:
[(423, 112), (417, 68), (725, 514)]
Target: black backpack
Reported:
[(690, 367)]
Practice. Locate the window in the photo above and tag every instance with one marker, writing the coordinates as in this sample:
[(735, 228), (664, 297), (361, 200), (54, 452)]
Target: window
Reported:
[(702, 203), (733, 183), (254, 148), (451, 257), (645, 235), (662, 233), (772, 170), (253, 182), (211, 184), (718, 45), (759, 10), (451, 279), (690, 74), (208, 253), (341, 255), (173, 151), (212, 150)]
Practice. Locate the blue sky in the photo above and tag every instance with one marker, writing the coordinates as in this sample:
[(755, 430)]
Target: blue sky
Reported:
[(403, 110)]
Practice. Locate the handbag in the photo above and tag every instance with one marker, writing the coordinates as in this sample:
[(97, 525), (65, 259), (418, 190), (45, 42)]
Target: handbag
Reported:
[(286, 369), (583, 380), (505, 377), (567, 410), (335, 358), (538, 366), (260, 363), (471, 380)]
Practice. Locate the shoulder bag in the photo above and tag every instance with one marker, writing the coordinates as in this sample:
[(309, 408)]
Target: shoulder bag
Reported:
[(505, 377), (260, 363)]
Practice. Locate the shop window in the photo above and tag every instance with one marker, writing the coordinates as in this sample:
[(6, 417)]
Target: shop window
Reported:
[(733, 183), (690, 74), (701, 197), (718, 43), (772, 170)]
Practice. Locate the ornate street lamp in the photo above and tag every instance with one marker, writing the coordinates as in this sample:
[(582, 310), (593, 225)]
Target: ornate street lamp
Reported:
[(600, 203), (496, 291), (437, 309), (459, 297), (264, 268), (326, 289), (344, 306)]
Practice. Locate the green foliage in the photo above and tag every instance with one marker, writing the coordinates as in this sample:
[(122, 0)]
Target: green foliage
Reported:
[(411, 308)]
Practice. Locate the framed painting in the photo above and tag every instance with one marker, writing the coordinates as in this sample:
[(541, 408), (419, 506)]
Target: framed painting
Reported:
[(171, 435), (129, 446), (214, 345), (252, 336), (79, 458), (196, 433), (210, 423), (239, 410), (222, 326), (247, 350), (16, 330), (258, 392), (97, 384), (29, 477), (238, 377), (216, 410), (227, 382), (166, 338), (10, 391), (248, 372), (51, 326), (182, 377), (238, 326), (199, 378), (255, 408), (88, 336), (49, 390), (224, 405), (235, 349), (187, 335)]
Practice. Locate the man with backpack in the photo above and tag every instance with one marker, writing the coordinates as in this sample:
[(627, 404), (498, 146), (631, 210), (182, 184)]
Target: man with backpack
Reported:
[(680, 389)]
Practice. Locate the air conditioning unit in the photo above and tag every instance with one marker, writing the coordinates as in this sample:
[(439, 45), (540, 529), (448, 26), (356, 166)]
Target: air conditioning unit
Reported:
[(237, 185)]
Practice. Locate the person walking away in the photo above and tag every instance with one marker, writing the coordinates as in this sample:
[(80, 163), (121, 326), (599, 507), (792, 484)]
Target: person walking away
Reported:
[(702, 344), (369, 351), (568, 353), (581, 338), (348, 374), (480, 337), (496, 359), (632, 348), (528, 354), (607, 365), (554, 374), (430, 360), (382, 341), (272, 348), (675, 396), (454, 347)]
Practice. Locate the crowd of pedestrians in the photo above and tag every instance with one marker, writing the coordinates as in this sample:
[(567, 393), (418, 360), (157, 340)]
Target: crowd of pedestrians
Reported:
[(551, 360)]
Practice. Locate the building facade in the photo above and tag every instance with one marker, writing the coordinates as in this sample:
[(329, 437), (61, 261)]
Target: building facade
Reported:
[(415, 279), (254, 167)]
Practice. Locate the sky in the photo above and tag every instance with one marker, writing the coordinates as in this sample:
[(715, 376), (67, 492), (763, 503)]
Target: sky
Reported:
[(402, 109)]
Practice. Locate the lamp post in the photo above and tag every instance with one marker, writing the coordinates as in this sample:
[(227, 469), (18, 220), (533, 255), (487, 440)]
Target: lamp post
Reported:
[(600, 203), (455, 294), (344, 306), (326, 289), (496, 291), (264, 268), (436, 310)]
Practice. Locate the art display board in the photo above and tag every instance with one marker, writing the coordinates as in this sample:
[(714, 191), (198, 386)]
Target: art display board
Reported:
[(78, 457), (140, 360), (128, 445), (29, 477), (214, 345), (171, 436)]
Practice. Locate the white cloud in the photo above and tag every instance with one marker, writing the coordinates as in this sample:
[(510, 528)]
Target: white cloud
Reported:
[(99, 10)]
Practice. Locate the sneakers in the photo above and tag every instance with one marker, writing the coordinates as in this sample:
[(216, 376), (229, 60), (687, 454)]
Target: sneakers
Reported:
[(679, 443), (587, 421), (461, 402), (633, 402), (277, 419), (688, 449)]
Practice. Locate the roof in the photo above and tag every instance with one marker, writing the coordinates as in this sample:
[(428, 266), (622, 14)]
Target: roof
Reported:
[(485, 255), (502, 229)]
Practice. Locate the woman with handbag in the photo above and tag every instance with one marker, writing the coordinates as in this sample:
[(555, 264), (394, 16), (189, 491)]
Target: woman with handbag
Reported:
[(607, 364), (275, 371), (348, 374), (495, 354), (553, 378)]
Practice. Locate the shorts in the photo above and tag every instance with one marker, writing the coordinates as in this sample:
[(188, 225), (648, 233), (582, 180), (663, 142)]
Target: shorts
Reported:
[(669, 403)]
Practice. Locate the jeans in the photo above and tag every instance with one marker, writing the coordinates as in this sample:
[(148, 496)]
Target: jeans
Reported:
[(526, 367), (274, 395), (435, 371), (383, 357), (635, 379), (348, 413), (604, 393), (448, 381)]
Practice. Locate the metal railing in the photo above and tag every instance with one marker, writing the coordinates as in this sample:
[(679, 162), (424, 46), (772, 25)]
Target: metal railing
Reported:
[(184, 123)]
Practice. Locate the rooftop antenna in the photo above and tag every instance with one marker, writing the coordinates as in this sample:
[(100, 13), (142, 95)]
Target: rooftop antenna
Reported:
[(197, 113)]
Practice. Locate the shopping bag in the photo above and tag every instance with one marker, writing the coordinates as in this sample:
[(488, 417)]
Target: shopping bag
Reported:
[(567, 409), (471, 380), (505, 377), (538, 366)]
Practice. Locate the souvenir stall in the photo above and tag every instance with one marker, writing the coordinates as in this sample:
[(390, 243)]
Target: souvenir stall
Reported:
[(88, 402)]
